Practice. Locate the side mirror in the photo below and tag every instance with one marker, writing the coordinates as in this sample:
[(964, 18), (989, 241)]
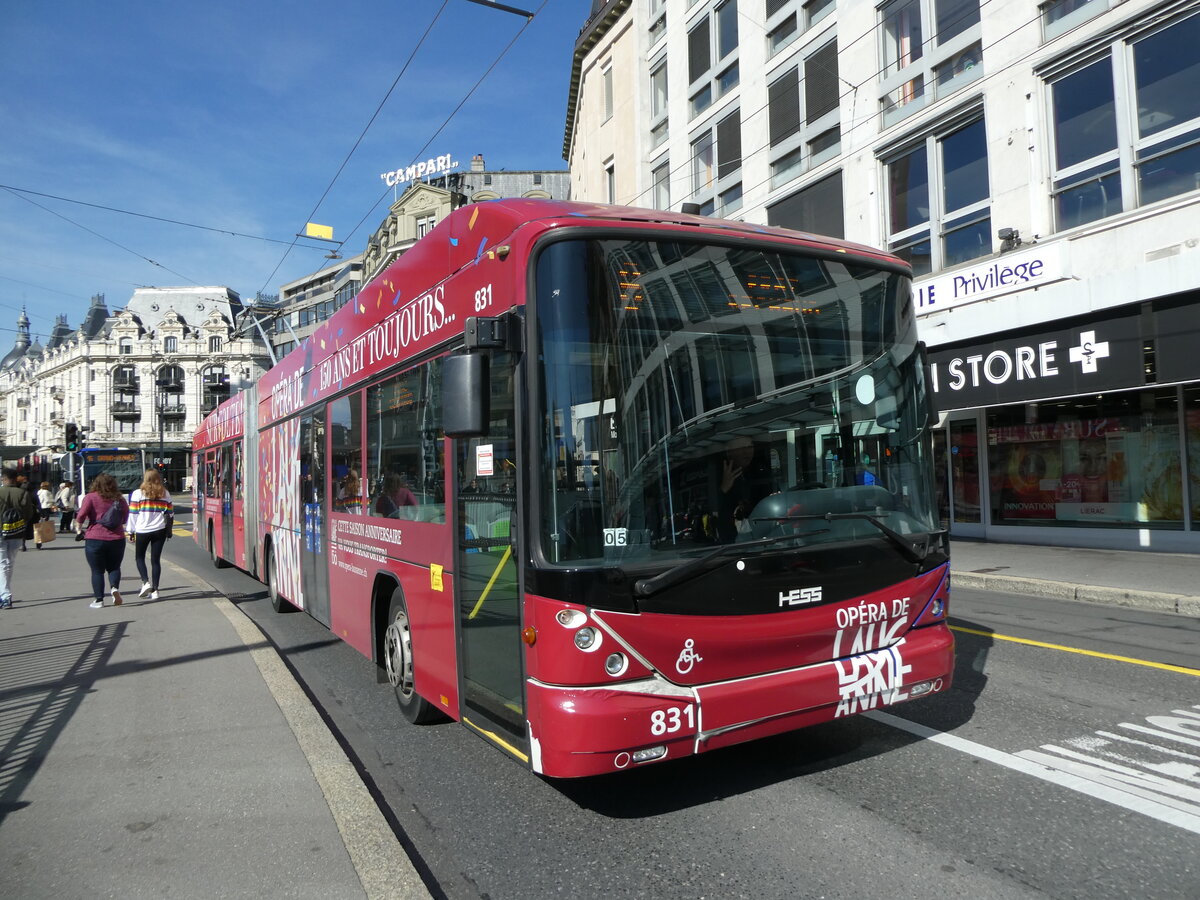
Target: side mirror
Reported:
[(466, 393), (933, 417)]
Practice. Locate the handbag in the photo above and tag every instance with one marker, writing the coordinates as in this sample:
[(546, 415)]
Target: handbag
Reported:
[(44, 531), (170, 517)]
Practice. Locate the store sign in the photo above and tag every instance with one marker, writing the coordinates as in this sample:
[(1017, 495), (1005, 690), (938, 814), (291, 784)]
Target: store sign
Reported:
[(438, 165), (1098, 355), (1016, 271)]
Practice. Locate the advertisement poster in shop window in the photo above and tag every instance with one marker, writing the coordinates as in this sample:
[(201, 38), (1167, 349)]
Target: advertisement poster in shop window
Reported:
[(1108, 471)]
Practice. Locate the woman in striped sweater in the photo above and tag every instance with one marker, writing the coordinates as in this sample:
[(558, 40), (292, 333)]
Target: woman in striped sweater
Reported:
[(148, 527)]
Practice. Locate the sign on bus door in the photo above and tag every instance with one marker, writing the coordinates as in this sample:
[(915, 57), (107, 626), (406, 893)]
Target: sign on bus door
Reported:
[(488, 565)]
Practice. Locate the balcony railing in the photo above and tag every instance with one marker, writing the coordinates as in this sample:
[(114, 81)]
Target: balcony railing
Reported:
[(173, 411), (126, 384), (126, 411)]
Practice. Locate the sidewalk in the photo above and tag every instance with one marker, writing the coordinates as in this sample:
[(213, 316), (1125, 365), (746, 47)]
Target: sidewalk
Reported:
[(1159, 582), (162, 749)]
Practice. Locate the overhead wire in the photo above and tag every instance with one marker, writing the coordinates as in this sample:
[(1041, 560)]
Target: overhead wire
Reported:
[(454, 112), (101, 236), (358, 141), (127, 212)]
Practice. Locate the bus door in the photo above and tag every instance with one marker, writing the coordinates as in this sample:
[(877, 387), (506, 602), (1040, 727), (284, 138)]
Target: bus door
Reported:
[(236, 530), (227, 545), (314, 557), (487, 564)]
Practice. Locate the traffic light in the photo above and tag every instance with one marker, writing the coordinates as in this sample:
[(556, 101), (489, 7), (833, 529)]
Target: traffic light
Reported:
[(71, 439)]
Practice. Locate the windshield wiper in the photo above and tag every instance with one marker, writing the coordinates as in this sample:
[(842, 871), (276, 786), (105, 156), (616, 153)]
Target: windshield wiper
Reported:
[(644, 587), (913, 550)]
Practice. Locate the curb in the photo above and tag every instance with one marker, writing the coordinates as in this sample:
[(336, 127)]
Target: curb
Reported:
[(1153, 601)]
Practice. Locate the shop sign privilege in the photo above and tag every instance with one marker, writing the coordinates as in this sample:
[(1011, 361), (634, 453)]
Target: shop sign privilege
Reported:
[(1035, 267)]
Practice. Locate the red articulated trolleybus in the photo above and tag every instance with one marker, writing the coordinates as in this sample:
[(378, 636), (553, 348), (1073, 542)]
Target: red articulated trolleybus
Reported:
[(609, 486)]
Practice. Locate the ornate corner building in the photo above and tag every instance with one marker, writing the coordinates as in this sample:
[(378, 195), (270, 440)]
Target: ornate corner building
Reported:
[(142, 377)]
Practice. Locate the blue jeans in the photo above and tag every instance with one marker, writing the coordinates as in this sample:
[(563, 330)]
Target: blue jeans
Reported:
[(104, 556), (8, 550)]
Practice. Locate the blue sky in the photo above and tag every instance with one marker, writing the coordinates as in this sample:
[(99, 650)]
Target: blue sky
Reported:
[(236, 115)]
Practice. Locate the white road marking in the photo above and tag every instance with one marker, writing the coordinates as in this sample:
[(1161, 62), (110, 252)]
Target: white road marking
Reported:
[(1064, 773)]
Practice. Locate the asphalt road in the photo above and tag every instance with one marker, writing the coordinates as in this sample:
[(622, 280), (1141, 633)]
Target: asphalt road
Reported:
[(1064, 763)]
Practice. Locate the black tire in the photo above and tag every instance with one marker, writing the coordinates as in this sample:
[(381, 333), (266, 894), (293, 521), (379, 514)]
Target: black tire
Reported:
[(398, 662), (217, 562), (278, 603)]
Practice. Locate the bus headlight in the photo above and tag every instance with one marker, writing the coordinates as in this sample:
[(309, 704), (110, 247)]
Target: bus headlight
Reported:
[(938, 607), (616, 664), (587, 638), (570, 618)]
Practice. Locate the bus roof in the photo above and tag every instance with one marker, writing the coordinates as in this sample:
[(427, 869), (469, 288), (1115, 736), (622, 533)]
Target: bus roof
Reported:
[(480, 234)]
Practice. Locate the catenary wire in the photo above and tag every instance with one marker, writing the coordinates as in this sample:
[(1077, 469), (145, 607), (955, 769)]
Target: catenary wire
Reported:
[(358, 141)]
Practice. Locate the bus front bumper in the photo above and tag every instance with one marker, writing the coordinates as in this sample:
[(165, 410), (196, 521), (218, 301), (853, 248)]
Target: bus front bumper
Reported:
[(580, 731)]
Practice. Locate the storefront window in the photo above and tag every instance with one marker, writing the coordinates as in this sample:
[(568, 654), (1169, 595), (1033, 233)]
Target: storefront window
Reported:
[(1110, 461), (1191, 416), (964, 462)]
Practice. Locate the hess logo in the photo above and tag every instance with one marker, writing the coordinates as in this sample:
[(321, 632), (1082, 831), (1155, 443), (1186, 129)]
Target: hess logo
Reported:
[(800, 596)]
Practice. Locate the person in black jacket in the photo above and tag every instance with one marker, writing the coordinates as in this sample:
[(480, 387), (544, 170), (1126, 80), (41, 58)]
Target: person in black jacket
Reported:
[(12, 499)]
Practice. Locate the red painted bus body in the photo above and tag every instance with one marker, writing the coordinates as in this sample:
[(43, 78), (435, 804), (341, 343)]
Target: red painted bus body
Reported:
[(609, 486)]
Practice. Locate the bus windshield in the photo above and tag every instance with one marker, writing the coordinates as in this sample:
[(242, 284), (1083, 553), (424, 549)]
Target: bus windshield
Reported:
[(126, 466), (693, 395)]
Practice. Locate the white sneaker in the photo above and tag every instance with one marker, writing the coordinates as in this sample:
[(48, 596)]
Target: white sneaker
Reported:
[(153, 595), (97, 604), (145, 590), (116, 595)]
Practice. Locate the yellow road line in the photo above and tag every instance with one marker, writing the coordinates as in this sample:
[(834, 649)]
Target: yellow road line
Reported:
[(1125, 659)]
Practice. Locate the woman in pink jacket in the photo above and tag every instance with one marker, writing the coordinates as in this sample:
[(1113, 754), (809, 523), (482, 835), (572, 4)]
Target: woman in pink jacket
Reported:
[(105, 511)]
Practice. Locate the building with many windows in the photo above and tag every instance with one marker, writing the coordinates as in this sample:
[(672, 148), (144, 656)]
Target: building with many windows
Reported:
[(143, 377), (1038, 165)]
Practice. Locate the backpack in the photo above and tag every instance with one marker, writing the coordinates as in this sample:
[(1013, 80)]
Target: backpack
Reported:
[(112, 516), (12, 522)]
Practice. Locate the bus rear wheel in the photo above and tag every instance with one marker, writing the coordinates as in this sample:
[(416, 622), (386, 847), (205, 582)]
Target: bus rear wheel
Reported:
[(278, 603), (398, 660), (217, 562)]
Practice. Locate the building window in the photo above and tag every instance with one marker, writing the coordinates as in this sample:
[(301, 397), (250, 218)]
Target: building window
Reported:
[(939, 200), (661, 177), (930, 49), (712, 57), (1060, 16), (610, 183), (125, 346), (805, 134), (1127, 126), (215, 345), (658, 104), (171, 345), (608, 93), (658, 19), (425, 225), (816, 208), (717, 166)]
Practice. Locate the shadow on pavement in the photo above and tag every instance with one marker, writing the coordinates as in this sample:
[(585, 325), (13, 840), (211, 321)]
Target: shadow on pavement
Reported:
[(697, 780), (45, 677)]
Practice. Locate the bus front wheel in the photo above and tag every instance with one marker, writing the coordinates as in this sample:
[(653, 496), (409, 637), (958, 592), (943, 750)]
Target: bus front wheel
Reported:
[(398, 659)]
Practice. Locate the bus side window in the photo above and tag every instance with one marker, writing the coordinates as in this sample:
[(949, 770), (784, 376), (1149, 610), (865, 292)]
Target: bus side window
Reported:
[(345, 459), (405, 465)]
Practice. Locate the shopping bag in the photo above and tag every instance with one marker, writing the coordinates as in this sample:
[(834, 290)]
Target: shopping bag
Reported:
[(44, 531)]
